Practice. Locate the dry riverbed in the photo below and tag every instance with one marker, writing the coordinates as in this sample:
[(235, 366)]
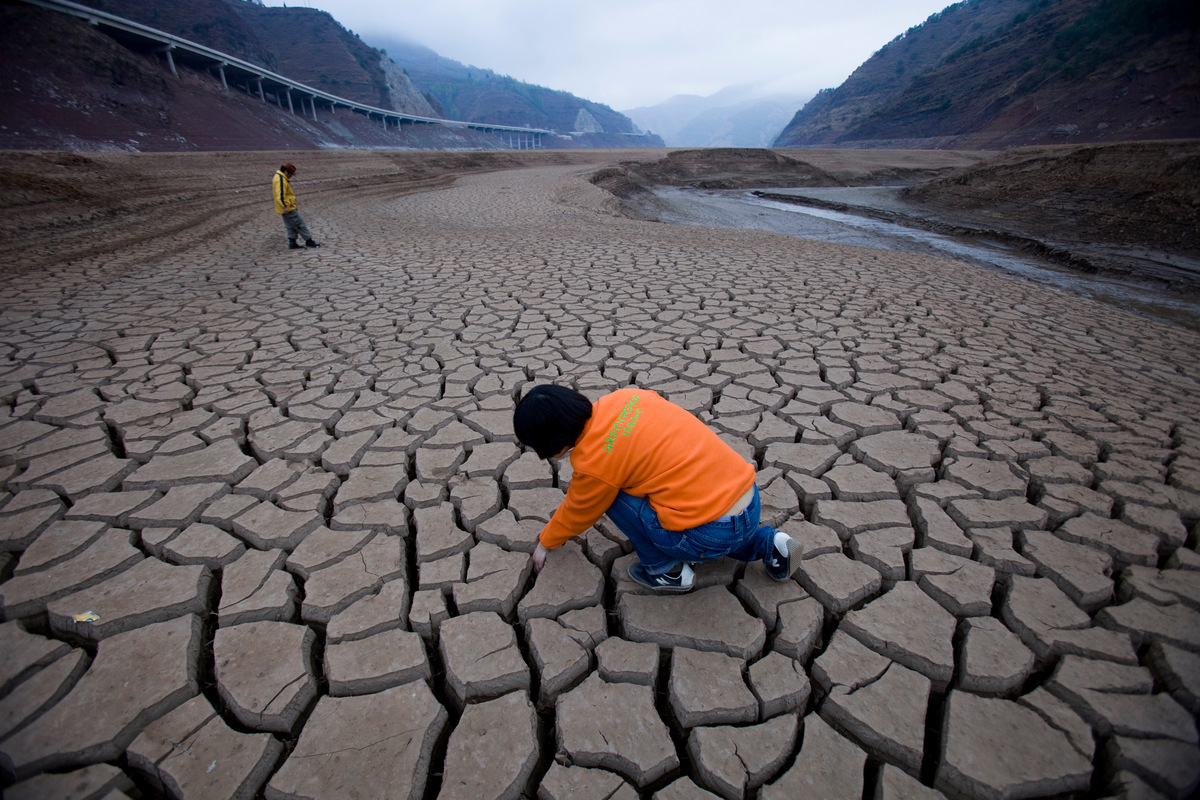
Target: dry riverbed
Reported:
[(265, 529)]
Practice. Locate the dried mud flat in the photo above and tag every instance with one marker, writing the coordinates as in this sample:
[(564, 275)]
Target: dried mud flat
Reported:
[(266, 529)]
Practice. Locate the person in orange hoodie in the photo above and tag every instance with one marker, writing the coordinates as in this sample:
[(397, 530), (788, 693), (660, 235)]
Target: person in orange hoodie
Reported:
[(674, 488)]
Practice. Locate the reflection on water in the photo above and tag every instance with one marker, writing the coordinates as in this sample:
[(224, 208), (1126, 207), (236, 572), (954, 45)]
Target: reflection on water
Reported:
[(741, 209)]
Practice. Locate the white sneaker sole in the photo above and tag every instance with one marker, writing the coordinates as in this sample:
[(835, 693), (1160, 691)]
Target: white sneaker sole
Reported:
[(793, 547)]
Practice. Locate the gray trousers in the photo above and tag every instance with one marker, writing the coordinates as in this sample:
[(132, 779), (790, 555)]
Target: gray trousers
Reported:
[(295, 225)]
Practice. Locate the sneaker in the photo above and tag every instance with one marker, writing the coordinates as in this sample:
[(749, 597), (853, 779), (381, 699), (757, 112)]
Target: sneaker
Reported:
[(675, 584), (312, 243), (779, 562), (293, 246)]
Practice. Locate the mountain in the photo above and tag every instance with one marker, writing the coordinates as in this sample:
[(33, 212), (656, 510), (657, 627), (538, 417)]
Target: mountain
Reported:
[(304, 44), (736, 116), (991, 74), (312, 47), (473, 94), (65, 85), (208, 22)]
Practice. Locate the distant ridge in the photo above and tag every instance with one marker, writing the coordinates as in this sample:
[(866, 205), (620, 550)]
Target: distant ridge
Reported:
[(992, 74), (482, 95)]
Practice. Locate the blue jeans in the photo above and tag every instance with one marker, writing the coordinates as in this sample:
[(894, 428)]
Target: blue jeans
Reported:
[(662, 550)]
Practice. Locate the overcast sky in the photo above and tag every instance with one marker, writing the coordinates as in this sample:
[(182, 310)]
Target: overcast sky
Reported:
[(630, 53)]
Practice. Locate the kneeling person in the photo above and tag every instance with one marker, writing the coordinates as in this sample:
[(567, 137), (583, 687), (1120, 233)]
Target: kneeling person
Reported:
[(674, 488)]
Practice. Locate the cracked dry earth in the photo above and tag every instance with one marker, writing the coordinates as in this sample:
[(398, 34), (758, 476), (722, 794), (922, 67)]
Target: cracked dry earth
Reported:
[(266, 529)]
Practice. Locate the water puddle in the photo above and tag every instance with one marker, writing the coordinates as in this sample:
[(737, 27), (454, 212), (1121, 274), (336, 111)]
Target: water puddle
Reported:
[(742, 210)]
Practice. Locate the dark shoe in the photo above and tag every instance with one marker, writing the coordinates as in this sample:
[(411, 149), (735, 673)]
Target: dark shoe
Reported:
[(779, 561), (311, 243), (678, 583), (292, 245)]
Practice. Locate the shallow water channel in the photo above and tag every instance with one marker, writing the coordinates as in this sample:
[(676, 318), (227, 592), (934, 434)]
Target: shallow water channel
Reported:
[(741, 209)]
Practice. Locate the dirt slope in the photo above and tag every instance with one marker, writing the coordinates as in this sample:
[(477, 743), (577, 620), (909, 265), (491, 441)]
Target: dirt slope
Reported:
[(1142, 198), (746, 168)]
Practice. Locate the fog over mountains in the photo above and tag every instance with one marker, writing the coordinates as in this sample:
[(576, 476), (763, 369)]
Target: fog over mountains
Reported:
[(736, 116)]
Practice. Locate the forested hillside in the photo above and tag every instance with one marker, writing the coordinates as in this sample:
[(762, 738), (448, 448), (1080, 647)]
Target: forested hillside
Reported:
[(460, 91)]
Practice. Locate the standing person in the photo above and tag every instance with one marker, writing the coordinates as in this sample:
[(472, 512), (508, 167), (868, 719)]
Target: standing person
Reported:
[(285, 204), (674, 488)]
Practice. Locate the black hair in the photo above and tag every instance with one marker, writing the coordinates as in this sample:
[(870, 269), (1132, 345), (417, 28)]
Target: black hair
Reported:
[(549, 418)]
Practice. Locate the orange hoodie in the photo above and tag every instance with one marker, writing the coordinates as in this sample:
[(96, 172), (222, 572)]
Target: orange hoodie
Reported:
[(642, 444)]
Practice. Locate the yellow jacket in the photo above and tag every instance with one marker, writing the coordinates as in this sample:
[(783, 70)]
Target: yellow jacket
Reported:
[(285, 198)]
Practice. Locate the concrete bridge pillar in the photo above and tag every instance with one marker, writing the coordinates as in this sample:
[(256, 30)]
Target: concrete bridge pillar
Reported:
[(291, 107), (166, 51)]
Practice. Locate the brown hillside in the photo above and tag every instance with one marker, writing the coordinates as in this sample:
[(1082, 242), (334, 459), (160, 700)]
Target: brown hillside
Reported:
[(304, 44), (311, 47), (208, 22), (1030, 86), (1058, 71), (65, 86), (882, 78)]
